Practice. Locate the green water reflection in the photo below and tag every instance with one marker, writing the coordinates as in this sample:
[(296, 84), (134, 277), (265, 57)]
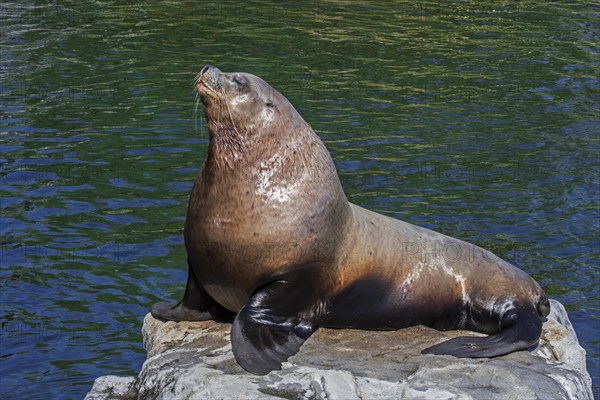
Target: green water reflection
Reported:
[(476, 119)]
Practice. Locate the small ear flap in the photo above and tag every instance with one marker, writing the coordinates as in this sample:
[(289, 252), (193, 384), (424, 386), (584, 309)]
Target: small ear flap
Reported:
[(276, 321)]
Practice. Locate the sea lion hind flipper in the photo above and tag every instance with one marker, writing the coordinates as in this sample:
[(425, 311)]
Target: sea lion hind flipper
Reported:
[(476, 347), (275, 322), (519, 331), (196, 305)]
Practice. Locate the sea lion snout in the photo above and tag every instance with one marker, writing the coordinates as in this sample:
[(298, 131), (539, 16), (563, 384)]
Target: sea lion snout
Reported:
[(206, 68), (208, 81), (209, 72)]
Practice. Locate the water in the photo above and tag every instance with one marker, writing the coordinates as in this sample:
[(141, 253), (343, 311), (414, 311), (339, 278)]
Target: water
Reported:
[(478, 120)]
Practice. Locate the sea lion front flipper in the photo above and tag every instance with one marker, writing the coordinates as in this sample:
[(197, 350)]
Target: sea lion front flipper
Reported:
[(275, 322), (520, 329), (196, 305)]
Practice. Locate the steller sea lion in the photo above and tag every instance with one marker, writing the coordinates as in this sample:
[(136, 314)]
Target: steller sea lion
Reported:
[(273, 243)]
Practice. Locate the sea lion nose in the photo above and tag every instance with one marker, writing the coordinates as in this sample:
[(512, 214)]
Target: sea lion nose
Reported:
[(207, 68)]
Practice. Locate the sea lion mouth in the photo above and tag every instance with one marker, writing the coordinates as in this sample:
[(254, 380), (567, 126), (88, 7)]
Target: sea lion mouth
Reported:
[(204, 89)]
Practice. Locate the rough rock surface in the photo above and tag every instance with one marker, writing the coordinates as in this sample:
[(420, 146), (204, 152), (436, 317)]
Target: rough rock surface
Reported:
[(194, 360), (112, 387)]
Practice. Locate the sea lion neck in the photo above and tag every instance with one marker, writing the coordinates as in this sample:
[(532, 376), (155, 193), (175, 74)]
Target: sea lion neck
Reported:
[(240, 145), (266, 162), (226, 146)]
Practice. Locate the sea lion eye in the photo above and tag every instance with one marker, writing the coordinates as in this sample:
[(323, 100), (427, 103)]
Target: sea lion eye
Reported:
[(238, 80)]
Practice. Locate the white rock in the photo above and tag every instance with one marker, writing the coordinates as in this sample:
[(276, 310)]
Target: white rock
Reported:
[(194, 360), (113, 387)]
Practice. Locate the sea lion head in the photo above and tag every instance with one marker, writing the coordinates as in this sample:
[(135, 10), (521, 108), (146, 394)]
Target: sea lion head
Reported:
[(242, 109)]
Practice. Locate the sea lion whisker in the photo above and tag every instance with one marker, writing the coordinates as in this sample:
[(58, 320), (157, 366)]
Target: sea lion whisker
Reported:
[(196, 79), (196, 105), (229, 112)]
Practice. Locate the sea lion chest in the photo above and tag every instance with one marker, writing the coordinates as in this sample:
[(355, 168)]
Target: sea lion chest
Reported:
[(243, 229), (224, 237)]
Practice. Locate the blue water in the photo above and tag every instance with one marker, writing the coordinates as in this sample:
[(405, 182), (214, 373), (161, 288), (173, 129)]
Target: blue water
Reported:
[(476, 120)]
